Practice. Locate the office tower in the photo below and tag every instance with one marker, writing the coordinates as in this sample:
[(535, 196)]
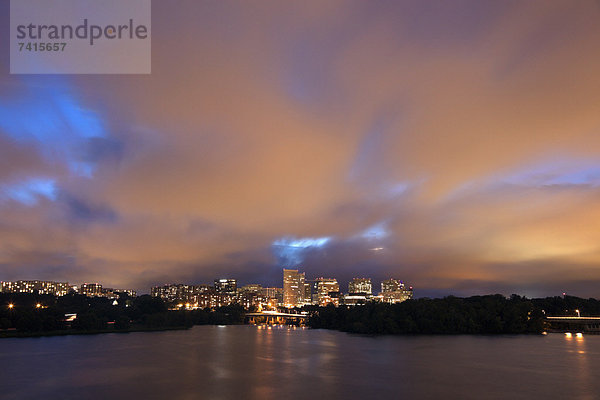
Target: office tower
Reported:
[(228, 286), (293, 288), (314, 292), (307, 292), (328, 291), (394, 291), (275, 294), (391, 285), (360, 285)]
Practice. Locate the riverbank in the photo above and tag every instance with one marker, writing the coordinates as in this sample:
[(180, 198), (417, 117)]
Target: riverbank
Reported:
[(67, 332)]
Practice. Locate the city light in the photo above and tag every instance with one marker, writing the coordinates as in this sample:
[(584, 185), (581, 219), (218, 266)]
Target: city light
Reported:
[(38, 305), (11, 306)]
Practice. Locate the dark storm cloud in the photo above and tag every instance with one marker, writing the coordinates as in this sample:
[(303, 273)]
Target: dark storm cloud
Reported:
[(82, 211)]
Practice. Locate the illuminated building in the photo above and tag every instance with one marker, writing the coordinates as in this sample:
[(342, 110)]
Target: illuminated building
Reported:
[(273, 294), (205, 296), (213, 300), (251, 295), (307, 293), (91, 289), (128, 292), (360, 285), (116, 293), (394, 291), (249, 300), (251, 288), (314, 292), (397, 296), (328, 291), (355, 299), (40, 287), (182, 293), (391, 285), (293, 288), (228, 286)]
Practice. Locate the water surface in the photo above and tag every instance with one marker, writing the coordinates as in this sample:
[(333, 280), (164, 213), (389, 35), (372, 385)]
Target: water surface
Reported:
[(244, 362)]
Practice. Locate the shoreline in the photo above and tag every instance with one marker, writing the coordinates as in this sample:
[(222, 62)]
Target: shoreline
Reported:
[(20, 334)]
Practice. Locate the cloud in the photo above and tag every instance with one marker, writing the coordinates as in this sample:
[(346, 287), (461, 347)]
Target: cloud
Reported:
[(460, 139)]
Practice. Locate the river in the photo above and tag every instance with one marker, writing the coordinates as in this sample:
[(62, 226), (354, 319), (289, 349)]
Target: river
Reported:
[(245, 362)]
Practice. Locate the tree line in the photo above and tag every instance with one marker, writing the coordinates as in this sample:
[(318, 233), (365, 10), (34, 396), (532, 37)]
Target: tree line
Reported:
[(490, 314), (46, 314)]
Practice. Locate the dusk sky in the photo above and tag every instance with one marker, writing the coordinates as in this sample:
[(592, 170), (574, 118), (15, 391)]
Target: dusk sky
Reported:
[(454, 145)]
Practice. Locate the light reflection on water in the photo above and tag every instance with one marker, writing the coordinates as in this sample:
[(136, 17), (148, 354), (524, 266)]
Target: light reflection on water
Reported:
[(244, 362)]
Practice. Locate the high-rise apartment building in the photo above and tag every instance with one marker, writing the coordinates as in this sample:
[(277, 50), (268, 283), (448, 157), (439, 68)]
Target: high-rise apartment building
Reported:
[(91, 289), (360, 285), (180, 292), (293, 288), (40, 287)]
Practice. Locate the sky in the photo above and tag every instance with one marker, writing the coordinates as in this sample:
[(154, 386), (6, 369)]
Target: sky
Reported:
[(452, 145)]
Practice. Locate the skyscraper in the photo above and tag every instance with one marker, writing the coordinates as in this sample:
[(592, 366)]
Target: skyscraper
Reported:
[(394, 291), (391, 285), (328, 291), (293, 288), (307, 292), (360, 285)]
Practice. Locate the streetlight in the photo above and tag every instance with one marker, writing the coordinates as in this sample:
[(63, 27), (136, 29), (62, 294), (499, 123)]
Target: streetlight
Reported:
[(11, 306), (38, 305)]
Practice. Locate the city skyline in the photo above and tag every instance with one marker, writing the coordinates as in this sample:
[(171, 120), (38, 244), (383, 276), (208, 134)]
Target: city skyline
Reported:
[(296, 291), (7, 286), (453, 145)]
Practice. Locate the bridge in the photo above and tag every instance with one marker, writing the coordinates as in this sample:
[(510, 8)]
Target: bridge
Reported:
[(275, 318), (573, 324)]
